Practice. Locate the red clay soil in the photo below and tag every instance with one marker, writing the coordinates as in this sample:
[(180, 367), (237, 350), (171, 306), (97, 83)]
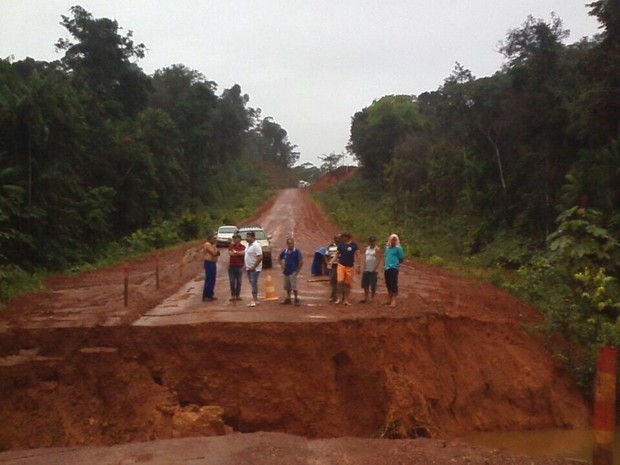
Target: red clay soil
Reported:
[(337, 176), (79, 368)]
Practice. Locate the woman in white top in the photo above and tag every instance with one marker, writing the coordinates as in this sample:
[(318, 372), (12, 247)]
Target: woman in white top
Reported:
[(371, 261)]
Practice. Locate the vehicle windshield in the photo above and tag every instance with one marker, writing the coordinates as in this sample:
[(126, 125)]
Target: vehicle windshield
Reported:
[(226, 230), (259, 235)]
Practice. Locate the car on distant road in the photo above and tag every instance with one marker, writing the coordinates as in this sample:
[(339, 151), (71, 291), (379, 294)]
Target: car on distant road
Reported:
[(225, 235), (263, 239)]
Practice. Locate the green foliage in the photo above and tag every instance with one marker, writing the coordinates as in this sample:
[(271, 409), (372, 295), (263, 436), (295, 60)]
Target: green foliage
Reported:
[(600, 106), (307, 172), (102, 61), (276, 146), (507, 251), (15, 281), (502, 144), (155, 237), (378, 129), (580, 240), (578, 297), (597, 295), (357, 208), (189, 226), (94, 152), (331, 162), (594, 180)]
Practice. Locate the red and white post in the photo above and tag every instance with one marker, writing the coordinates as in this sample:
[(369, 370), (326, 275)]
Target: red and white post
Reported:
[(605, 407)]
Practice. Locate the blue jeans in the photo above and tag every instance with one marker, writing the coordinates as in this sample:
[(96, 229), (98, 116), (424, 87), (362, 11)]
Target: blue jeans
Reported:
[(210, 273), (253, 277), (235, 274)]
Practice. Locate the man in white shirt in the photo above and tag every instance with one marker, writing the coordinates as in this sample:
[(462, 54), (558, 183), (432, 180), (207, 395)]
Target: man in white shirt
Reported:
[(253, 264)]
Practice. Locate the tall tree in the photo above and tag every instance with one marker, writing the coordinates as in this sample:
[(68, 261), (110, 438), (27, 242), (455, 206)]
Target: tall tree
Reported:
[(331, 161), (105, 62), (603, 101), (276, 146), (232, 120), (162, 138), (535, 66), (376, 130)]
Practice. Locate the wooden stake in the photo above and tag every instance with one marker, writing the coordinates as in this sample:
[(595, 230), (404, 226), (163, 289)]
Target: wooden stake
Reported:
[(126, 284), (157, 270)]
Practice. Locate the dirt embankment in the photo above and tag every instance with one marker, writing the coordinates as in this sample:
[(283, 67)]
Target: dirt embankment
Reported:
[(429, 376), (455, 356)]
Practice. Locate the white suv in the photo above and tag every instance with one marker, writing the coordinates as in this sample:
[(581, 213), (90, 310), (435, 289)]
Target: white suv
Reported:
[(263, 240), (225, 235)]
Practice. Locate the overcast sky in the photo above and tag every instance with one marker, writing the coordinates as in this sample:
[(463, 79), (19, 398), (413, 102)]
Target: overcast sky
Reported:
[(309, 64)]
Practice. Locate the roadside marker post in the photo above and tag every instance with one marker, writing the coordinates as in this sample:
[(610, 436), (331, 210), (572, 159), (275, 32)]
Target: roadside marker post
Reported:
[(605, 407), (157, 270), (126, 284)]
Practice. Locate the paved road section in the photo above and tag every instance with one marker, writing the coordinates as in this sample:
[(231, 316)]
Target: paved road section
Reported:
[(290, 216), (186, 306)]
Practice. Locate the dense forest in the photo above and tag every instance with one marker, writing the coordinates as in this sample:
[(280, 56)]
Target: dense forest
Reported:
[(92, 150), (519, 171), (539, 135)]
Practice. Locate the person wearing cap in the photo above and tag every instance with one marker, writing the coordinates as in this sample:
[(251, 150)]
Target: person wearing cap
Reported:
[(346, 257), (371, 261)]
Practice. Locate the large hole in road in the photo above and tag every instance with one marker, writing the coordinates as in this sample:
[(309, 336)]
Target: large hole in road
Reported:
[(425, 376)]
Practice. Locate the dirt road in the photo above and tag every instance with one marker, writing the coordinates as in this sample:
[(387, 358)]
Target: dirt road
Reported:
[(79, 368)]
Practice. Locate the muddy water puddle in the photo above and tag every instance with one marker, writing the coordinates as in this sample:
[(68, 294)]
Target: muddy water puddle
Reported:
[(574, 444)]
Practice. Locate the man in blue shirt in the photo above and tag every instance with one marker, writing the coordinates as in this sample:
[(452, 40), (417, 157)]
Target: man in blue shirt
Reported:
[(291, 261)]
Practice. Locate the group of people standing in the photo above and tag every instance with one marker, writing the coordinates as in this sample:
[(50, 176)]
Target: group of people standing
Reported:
[(250, 259), (242, 258), (343, 256), (341, 259)]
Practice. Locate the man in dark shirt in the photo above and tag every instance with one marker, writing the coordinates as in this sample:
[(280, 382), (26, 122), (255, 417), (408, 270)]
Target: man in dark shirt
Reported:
[(346, 257)]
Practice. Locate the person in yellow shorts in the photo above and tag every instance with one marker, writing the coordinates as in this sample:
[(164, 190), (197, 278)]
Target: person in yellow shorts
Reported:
[(347, 258)]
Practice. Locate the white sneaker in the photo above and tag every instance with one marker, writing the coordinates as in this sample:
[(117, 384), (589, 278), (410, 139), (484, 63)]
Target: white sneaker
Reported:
[(252, 304)]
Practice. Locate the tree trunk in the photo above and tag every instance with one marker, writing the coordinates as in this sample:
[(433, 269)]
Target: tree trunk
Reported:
[(499, 160)]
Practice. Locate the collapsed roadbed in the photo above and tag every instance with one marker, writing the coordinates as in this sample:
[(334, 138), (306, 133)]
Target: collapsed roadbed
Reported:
[(425, 376)]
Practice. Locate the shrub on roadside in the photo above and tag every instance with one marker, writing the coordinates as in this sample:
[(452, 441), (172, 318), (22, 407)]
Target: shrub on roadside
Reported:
[(15, 281)]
